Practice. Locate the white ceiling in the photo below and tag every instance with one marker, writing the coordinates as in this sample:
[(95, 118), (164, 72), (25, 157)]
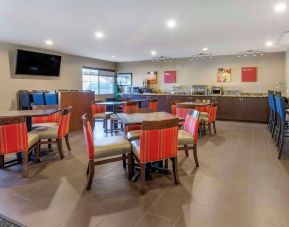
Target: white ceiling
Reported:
[(133, 28)]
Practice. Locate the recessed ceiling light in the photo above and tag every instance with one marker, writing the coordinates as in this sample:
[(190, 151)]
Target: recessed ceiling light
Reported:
[(113, 56), (205, 48), (98, 35), (49, 42), (280, 7), (153, 52), (171, 23), (269, 43)]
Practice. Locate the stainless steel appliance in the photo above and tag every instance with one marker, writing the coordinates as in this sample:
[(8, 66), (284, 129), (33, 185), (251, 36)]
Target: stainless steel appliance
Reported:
[(217, 90), (200, 89), (133, 90)]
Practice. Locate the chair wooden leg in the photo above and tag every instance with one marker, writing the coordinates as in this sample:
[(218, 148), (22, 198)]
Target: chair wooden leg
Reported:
[(214, 125), (130, 164), (90, 174), (60, 150), (1, 161), (166, 163), (195, 155), (124, 160), (25, 163), (210, 128), (67, 142), (142, 178), (186, 150), (49, 145), (175, 170), (37, 152)]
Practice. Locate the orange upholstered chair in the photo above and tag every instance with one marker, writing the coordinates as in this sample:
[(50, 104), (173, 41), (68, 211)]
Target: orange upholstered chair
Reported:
[(153, 105), (101, 151), (188, 137), (51, 120), (182, 113), (158, 141), (14, 138), (99, 113), (209, 119), (129, 106), (55, 134)]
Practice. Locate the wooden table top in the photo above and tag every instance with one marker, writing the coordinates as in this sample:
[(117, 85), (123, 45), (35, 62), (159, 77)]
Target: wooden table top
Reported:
[(138, 118), (28, 113), (192, 104)]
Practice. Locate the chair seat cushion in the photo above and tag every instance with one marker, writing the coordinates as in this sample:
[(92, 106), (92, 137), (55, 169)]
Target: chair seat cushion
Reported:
[(46, 132), (46, 124), (135, 145), (133, 135), (185, 137), (111, 146), (105, 115), (204, 114), (32, 139)]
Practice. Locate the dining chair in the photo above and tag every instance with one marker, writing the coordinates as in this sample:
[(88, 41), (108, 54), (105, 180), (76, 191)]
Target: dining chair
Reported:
[(153, 105), (209, 118), (24, 100), (105, 150), (158, 141), (45, 121), (133, 131), (188, 137), (99, 113), (51, 98), (14, 138), (174, 106), (55, 134), (38, 98), (130, 105)]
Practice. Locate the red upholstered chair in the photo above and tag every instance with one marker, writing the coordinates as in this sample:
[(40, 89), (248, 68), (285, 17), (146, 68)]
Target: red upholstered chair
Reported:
[(14, 138), (153, 105), (158, 141), (55, 134), (209, 119), (101, 151), (129, 107), (188, 137), (51, 120), (99, 113), (181, 112)]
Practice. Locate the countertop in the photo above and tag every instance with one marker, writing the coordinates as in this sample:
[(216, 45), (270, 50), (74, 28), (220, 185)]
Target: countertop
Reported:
[(237, 96)]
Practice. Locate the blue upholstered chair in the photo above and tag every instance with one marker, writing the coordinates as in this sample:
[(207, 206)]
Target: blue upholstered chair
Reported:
[(38, 98), (51, 98)]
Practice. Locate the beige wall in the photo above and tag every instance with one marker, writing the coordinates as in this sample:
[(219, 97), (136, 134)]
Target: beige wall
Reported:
[(287, 72), (271, 71), (70, 74)]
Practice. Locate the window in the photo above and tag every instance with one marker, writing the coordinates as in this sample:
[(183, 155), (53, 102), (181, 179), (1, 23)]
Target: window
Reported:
[(124, 79), (98, 80)]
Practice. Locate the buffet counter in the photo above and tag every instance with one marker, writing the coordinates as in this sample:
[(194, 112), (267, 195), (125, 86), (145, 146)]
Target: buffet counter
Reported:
[(230, 107)]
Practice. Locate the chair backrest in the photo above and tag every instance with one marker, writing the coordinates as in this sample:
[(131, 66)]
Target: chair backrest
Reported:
[(153, 105), (159, 140), (212, 112), (13, 135), (129, 106), (64, 121), (51, 98), (97, 108), (174, 106), (280, 107), (88, 135), (181, 112), (45, 119), (141, 110), (192, 124), (24, 100), (38, 98)]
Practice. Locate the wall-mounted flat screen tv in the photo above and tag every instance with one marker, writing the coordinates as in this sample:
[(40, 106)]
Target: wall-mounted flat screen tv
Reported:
[(38, 64)]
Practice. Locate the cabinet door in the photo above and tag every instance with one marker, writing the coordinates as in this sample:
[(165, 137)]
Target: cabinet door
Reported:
[(255, 109), (226, 106)]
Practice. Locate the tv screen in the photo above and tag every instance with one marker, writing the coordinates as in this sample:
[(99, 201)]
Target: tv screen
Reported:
[(34, 63)]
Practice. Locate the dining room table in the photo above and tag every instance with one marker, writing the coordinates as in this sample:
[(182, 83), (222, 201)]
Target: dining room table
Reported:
[(27, 114)]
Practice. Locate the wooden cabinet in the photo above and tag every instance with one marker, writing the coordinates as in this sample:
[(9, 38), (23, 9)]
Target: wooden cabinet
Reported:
[(229, 108)]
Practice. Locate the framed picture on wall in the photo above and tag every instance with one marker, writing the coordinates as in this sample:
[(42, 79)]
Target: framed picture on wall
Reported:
[(124, 79), (170, 77), (224, 75), (249, 74), (151, 77)]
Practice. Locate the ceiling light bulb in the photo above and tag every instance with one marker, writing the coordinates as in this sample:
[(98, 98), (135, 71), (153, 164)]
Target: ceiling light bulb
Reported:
[(49, 42), (205, 48), (280, 7), (113, 56), (153, 53), (98, 34), (269, 43), (171, 23)]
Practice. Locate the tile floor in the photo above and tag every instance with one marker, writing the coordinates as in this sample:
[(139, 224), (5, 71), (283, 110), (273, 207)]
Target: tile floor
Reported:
[(240, 182)]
